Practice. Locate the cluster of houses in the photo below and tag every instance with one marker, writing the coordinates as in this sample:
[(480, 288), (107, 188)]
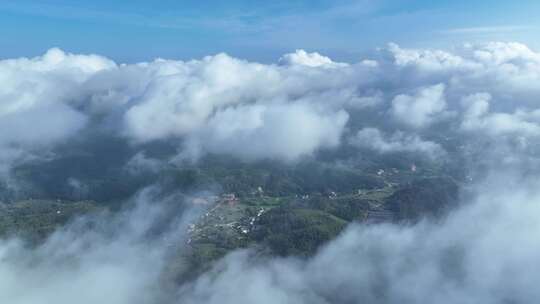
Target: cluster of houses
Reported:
[(382, 172)]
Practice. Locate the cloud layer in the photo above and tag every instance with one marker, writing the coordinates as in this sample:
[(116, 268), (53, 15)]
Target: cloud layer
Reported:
[(306, 103)]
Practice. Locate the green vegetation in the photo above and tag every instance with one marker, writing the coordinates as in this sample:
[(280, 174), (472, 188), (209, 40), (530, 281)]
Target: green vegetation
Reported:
[(277, 208), (36, 219), (297, 231), (424, 198), (300, 224)]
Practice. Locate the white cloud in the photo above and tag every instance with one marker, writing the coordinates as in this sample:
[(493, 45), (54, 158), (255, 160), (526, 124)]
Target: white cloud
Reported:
[(301, 57), (477, 117), (34, 113), (429, 60), (374, 139), (421, 109), (222, 104), (511, 52), (281, 131), (186, 101)]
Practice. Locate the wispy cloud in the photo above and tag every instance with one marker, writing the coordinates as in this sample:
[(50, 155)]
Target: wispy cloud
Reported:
[(487, 29)]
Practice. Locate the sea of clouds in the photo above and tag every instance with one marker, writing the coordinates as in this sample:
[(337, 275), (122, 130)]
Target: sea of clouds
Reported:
[(304, 103), (399, 100)]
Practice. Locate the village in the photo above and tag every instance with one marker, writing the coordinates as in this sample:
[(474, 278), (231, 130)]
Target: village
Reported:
[(233, 218)]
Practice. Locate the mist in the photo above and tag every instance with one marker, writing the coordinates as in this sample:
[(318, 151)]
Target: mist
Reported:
[(105, 257), (484, 252)]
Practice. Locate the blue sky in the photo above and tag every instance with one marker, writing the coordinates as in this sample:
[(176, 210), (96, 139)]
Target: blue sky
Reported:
[(135, 30)]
